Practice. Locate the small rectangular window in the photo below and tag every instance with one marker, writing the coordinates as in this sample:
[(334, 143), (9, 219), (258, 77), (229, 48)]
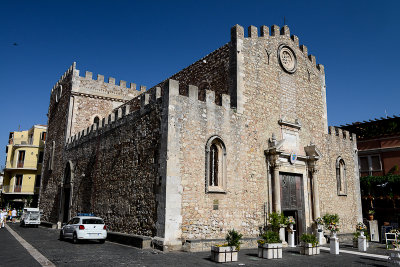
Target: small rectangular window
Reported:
[(40, 159), (37, 181), (364, 164), (43, 136), (375, 163)]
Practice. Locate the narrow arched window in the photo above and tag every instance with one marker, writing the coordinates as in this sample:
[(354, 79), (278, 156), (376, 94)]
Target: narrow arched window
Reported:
[(215, 165), (341, 177), (96, 121)]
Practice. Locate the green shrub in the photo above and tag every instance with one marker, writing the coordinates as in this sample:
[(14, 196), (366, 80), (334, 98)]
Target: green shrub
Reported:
[(309, 238), (269, 237), (330, 219), (275, 220), (233, 239)]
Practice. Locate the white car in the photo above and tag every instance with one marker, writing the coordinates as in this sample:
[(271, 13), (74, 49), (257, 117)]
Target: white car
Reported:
[(30, 216), (84, 227)]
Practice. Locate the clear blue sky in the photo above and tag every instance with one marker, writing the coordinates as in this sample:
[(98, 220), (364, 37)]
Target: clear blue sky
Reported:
[(147, 41)]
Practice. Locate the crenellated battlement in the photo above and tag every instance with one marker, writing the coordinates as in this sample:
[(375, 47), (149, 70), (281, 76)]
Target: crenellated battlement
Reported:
[(237, 32), (147, 101), (340, 134), (115, 118), (68, 72), (88, 86)]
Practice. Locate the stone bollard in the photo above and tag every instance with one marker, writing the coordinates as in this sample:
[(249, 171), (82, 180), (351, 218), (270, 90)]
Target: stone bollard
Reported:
[(321, 238), (291, 236), (282, 236), (362, 243), (334, 245)]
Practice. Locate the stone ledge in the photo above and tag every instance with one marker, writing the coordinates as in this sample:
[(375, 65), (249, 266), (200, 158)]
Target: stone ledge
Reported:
[(48, 224), (138, 241), (198, 245)]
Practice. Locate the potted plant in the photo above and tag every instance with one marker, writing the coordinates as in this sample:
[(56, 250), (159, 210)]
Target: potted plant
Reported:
[(270, 244), (319, 222), (290, 222), (371, 215), (309, 245), (229, 251), (331, 222)]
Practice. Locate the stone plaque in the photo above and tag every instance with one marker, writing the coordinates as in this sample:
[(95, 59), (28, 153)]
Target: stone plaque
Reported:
[(287, 59)]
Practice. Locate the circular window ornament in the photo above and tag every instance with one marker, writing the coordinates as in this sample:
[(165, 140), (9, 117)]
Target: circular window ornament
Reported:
[(287, 58)]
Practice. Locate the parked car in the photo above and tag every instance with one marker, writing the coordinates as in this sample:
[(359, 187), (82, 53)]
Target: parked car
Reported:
[(30, 216), (84, 227)]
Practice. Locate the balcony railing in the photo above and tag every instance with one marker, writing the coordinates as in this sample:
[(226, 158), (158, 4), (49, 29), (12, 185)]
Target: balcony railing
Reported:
[(17, 188), (26, 164), (20, 141), (20, 189)]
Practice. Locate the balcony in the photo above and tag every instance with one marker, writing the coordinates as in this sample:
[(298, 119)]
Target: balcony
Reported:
[(16, 142), (23, 164), (19, 189)]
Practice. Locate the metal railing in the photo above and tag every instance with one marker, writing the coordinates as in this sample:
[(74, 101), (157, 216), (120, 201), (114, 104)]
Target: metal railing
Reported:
[(26, 164), (17, 188)]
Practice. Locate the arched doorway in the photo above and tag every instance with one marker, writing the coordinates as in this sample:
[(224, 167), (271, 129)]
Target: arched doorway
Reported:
[(67, 192)]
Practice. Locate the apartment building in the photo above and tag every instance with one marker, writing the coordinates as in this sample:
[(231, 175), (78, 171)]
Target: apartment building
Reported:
[(23, 167)]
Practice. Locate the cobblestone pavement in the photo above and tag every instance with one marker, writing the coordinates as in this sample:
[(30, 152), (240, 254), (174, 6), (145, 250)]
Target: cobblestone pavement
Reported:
[(64, 253)]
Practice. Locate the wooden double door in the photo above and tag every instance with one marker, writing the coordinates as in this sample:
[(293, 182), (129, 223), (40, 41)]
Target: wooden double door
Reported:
[(292, 201)]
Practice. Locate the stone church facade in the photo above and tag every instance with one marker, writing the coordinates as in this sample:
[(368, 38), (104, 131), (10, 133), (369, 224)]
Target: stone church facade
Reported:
[(238, 134)]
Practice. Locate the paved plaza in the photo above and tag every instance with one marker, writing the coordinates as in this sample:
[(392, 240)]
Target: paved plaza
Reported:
[(64, 253)]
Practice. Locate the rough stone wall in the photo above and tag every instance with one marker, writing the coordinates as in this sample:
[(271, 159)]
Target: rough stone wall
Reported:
[(209, 73), (93, 98), (56, 128), (85, 109), (269, 95), (241, 206), (340, 144), (116, 171)]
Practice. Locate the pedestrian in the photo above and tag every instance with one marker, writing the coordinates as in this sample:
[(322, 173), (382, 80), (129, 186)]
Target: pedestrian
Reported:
[(9, 215), (5, 217), (13, 215), (2, 218)]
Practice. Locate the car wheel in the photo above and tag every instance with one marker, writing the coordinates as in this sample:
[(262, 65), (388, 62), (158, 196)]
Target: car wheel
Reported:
[(74, 239), (61, 235), (102, 241), (21, 224)]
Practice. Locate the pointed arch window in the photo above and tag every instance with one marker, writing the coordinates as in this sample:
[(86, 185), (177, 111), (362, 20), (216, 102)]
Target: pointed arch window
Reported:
[(341, 177), (215, 165), (96, 121)]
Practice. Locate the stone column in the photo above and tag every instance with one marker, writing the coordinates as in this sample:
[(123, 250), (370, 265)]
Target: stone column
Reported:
[(277, 190), (315, 194)]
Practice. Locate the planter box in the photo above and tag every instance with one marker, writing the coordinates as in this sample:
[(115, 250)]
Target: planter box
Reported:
[(308, 249), (270, 251), (224, 254)]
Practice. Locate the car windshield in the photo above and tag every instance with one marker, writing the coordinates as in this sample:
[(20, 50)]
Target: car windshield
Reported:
[(93, 221)]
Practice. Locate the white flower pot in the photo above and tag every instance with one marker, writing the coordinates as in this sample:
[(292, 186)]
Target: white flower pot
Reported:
[(309, 249), (224, 254), (270, 251)]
